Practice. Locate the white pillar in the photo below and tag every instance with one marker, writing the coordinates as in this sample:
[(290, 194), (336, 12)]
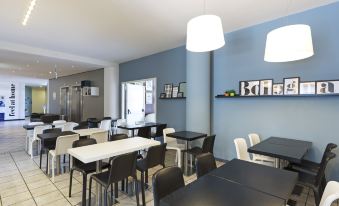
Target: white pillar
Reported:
[(111, 91), (198, 107)]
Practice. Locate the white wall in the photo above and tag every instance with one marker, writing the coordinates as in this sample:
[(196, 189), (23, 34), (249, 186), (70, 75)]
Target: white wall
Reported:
[(111, 91)]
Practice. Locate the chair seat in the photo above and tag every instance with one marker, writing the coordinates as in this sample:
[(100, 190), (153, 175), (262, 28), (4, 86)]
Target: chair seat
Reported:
[(102, 178), (195, 151), (90, 167), (305, 166)]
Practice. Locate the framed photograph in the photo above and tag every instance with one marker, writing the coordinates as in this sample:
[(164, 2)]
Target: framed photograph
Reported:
[(266, 87), (291, 86), (149, 98), (307, 88), (278, 89), (182, 88), (327, 87), (249, 88), (175, 91), (168, 90), (149, 85), (162, 95), (180, 95)]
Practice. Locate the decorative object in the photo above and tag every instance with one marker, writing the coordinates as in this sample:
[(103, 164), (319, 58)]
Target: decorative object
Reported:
[(149, 85), (327, 87), (149, 98), (291, 86), (175, 91), (162, 95), (230, 93), (266, 87), (168, 90), (307, 88), (249, 88), (182, 88), (180, 95), (289, 43), (278, 89)]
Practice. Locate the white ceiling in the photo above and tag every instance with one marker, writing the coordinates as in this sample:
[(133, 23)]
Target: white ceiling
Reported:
[(100, 32)]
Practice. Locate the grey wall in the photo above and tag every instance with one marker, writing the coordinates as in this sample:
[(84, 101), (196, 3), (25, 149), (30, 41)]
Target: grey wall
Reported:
[(167, 67), (314, 119), (93, 106)]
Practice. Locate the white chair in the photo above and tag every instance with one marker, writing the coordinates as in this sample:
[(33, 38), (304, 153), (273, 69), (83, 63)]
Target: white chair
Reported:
[(172, 144), (29, 133), (106, 125), (37, 130), (118, 130), (100, 137), (330, 194), (63, 143), (242, 154), (69, 126), (59, 123), (255, 139)]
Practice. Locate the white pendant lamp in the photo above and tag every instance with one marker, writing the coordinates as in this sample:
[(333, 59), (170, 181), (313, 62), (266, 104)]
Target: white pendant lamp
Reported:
[(204, 33), (289, 43)]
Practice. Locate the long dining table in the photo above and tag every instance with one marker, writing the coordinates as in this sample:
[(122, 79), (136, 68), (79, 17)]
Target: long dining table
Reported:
[(98, 152)]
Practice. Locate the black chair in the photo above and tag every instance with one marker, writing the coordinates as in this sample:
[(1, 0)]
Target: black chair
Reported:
[(144, 132), (155, 156), (116, 137), (166, 181), (122, 167), (159, 133), (82, 125), (47, 146), (205, 163), (207, 147), (315, 182), (107, 118), (92, 122), (84, 168)]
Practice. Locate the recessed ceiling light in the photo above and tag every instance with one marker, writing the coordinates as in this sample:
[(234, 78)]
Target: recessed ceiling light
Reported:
[(29, 11), (50, 72)]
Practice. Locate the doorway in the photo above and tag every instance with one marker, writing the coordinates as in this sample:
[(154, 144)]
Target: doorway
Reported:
[(138, 101)]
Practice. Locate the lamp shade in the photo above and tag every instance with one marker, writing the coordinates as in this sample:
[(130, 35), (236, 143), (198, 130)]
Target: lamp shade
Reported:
[(204, 33), (289, 43)]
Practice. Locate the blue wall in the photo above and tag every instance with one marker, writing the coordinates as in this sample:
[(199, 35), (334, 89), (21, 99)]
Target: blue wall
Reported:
[(315, 118), (167, 67)]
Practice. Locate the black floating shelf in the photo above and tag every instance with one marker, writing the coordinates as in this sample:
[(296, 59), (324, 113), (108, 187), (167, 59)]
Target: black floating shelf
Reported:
[(173, 98), (270, 96)]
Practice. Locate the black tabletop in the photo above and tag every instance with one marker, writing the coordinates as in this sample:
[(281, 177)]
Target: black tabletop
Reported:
[(214, 191), (49, 139), (270, 180), (282, 148), (31, 127), (187, 135), (138, 126)]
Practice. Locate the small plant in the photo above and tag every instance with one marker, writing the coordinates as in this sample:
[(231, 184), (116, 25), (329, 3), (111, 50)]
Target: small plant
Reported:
[(230, 93)]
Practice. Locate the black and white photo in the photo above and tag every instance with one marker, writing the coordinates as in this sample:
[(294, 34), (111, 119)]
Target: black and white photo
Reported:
[(266, 87), (307, 88), (328, 87), (291, 86), (278, 89), (249, 88)]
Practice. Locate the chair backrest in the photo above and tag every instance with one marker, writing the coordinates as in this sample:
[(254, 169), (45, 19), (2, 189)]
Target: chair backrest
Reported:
[(329, 148), (116, 137), (81, 143), (119, 123), (100, 137), (122, 167), (208, 144), (69, 126), (92, 122), (55, 122), (63, 143), (241, 149), (323, 165), (53, 130), (40, 130), (106, 124), (330, 194), (82, 125), (254, 139), (159, 130), (166, 138), (156, 155), (165, 181), (205, 163), (144, 132), (35, 123)]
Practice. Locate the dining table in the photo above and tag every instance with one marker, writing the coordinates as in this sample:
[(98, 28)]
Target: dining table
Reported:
[(135, 126), (98, 152), (237, 183), (88, 131)]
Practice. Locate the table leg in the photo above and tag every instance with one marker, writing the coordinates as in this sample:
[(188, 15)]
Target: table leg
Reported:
[(186, 158), (98, 186)]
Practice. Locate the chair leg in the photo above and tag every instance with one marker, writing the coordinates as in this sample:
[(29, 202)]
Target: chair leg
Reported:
[(143, 189), (40, 158), (53, 168), (179, 158), (111, 198), (70, 183), (123, 185), (127, 186), (47, 164), (136, 189), (146, 177), (90, 190), (84, 187), (31, 146), (105, 197), (316, 196), (116, 192)]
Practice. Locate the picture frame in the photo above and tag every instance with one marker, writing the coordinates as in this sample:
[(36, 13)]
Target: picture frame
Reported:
[(180, 95), (182, 88), (249, 88), (149, 85), (278, 89), (266, 87), (168, 90), (308, 88), (291, 86), (175, 91), (327, 87), (162, 95), (149, 98)]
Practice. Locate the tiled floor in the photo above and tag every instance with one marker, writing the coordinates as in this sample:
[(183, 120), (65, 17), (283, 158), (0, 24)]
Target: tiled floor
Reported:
[(23, 183)]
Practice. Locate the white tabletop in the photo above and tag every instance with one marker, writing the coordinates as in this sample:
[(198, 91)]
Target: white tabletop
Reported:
[(89, 131), (96, 152)]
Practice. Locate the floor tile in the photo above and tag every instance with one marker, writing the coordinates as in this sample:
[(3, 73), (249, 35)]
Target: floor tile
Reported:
[(43, 190), (20, 197), (13, 191), (29, 202), (48, 198)]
